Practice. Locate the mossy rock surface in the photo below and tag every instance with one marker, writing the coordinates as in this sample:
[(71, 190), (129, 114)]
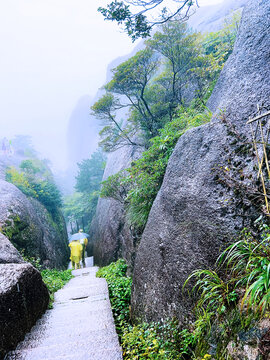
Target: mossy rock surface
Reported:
[(30, 227)]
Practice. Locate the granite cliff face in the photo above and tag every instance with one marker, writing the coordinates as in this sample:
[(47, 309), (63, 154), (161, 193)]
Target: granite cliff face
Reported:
[(28, 225), (111, 237), (23, 299), (194, 215)]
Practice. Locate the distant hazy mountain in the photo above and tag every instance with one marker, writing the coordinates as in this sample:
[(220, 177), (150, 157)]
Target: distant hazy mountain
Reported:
[(82, 134), (210, 18), (82, 139)]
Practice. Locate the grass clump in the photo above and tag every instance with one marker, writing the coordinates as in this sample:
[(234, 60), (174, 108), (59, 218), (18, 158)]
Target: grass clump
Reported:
[(157, 341), (232, 299), (235, 297), (143, 341), (119, 286), (55, 280)]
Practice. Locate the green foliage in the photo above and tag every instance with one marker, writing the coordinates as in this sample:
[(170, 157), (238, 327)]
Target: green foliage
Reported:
[(220, 44), (55, 280), (215, 294), (30, 166), (74, 207), (114, 187), (249, 261), (90, 173), (144, 341), (177, 44), (139, 184), (35, 180), (31, 259), (80, 207), (104, 106), (119, 290), (20, 180), (131, 80), (176, 65), (49, 195), (236, 300), (113, 135), (136, 24), (157, 341)]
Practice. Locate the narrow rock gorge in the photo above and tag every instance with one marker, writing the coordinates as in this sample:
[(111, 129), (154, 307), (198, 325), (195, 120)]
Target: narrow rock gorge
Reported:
[(194, 215)]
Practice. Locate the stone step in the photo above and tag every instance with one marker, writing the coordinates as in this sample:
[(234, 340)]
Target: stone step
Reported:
[(79, 327), (100, 338), (61, 326), (67, 353)]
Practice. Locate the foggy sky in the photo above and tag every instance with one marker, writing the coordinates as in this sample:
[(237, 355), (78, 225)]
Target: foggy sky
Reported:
[(52, 53)]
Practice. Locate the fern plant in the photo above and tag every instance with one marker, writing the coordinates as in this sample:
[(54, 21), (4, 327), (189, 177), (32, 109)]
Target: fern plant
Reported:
[(249, 264)]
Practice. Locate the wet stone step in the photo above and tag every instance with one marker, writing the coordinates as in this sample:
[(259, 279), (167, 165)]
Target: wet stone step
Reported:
[(81, 314), (101, 338), (62, 329), (79, 327), (52, 353)]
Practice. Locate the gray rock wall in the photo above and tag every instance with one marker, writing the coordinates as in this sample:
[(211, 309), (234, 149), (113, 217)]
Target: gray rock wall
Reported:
[(111, 237), (194, 215), (23, 299), (8, 253), (28, 225)]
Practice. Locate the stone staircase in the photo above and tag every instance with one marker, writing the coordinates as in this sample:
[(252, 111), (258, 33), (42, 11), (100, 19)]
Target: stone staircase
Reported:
[(79, 327)]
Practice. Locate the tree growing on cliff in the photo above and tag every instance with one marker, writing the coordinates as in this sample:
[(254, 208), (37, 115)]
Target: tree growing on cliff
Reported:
[(114, 135), (129, 88), (90, 173), (177, 69), (134, 14), (138, 185), (178, 46), (131, 80)]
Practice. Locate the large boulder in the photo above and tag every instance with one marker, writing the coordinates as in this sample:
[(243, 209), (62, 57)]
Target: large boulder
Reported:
[(8, 253), (110, 236), (23, 299), (29, 226), (194, 214)]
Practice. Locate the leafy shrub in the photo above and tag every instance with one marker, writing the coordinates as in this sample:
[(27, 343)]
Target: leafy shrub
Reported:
[(31, 259), (144, 341), (236, 301), (55, 280), (37, 183), (119, 286), (157, 341), (139, 184), (20, 180)]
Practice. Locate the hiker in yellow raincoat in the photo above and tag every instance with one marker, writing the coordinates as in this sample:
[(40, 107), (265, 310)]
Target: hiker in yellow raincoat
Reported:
[(75, 253), (83, 242)]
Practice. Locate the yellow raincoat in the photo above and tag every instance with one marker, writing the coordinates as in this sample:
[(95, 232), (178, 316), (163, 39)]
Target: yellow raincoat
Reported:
[(75, 252)]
